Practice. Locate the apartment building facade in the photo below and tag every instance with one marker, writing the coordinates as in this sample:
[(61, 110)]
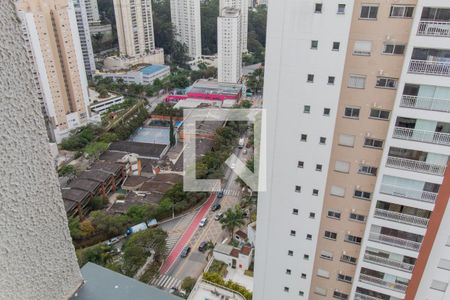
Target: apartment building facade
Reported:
[(185, 17), (51, 33), (134, 23), (358, 96), (243, 6), (85, 36), (92, 13), (229, 54)]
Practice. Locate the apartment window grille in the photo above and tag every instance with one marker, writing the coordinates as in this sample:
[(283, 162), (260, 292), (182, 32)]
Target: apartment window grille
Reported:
[(357, 81), (348, 259), (401, 11), (336, 46), (306, 109), (373, 143), (314, 44), (330, 235), (341, 9), (369, 12), (334, 214), (298, 189), (357, 217), (310, 78), (394, 49), (318, 8), (295, 211), (362, 195), (386, 83), (331, 79), (300, 164), (367, 170)]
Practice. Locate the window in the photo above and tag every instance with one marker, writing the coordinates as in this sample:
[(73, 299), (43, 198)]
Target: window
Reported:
[(323, 273), (322, 140), (386, 82), (326, 112), (369, 12), (340, 295), (306, 109), (341, 9), (298, 189), (393, 49), (337, 191), (288, 271), (305, 256), (379, 114), (312, 215), (290, 253), (362, 195), (293, 233), (331, 79), (320, 291), (314, 44), (367, 170), (373, 143), (334, 214), (301, 293), (318, 8), (444, 264), (357, 217), (303, 137), (326, 255), (401, 11), (319, 168), (330, 235), (352, 112), (309, 237), (310, 78), (363, 48), (315, 192), (336, 46), (357, 81), (439, 285), (348, 259), (342, 166), (303, 276), (345, 278), (346, 140), (286, 289), (353, 239), (295, 211), (300, 164)]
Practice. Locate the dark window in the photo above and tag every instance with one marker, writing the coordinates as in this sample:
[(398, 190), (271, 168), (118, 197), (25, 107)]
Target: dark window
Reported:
[(357, 217), (331, 79), (286, 289), (288, 271), (374, 143), (303, 276), (319, 168), (340, 295), (301, 293), (315, 192), (369, 12), (393, 49), (322, 140), (368, 170), (312, 215), (400, 11), (298, 188), (306, 109), (330, 235), (295, 211), (362, 194), (303, 137), (290, 253), (326, 111), (341, 9), (300, 164), (386, 82), (314, 44), (308, 236), (310, 78), (380, 114), (336, 46), (334, 214), (293, 233), (318, 8), (352, 112)]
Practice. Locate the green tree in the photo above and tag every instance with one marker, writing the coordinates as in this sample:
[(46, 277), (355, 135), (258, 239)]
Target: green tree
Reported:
[(98, 202), (67, 170), (98, 254), (188, 284), (179, 53), (172, 133), (109, 225), (232, 218), (209, 13), (95, 149), (74, 228)]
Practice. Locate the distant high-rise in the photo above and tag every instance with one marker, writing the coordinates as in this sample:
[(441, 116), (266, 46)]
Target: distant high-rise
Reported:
[(92, 12), (85, 36), (229, 45), (185, 16), (51, 33), (242, 5), (134, 23)]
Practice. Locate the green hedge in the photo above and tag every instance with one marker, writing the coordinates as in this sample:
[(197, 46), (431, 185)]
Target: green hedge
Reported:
[(218, 279)]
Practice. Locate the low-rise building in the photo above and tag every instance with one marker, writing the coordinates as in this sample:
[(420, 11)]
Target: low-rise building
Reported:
[(142, 150), (236, 258), (101, 105), (143, 75), (114, 63)]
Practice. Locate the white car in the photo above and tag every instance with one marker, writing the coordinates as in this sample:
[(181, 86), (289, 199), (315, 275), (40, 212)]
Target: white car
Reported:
[(203, 222)]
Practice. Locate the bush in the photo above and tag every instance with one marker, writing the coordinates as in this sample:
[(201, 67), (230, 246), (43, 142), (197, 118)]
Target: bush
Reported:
[(98, 254), (188, 284), (218, 267), (218, 279), (67, 170), (98, 202), (95, 149)]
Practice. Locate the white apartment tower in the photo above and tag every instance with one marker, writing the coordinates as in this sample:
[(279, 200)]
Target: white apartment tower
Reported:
[(93, 15), (229, 45), (134, 27), (243, 6), (51, 33), (85, 36), (358, 115), (185, 16)]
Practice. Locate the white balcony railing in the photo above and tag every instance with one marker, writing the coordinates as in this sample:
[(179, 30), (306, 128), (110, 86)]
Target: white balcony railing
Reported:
[(415, 165), (426, 103), (440, 138), (429, 67), (402, 192), (380, 282), (359, 296), (434, 28), (388, 262), (401, 218), (394, 241)]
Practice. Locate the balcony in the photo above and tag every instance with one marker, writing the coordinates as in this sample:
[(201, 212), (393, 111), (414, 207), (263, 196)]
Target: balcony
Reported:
[(415, 166), (359, 296), (429, 67), (398, 191), (434, 28), (401, 218), (439, 138), (394, 241), (425, 103), (380, 282), (388, 262)]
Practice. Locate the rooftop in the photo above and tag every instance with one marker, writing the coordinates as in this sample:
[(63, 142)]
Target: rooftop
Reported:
[(101, 283), (96, 175), (84, 184), (152, 135), (145, 150), (147, 70), (230, 12), (109, 167), (74, 195), (206, 86)]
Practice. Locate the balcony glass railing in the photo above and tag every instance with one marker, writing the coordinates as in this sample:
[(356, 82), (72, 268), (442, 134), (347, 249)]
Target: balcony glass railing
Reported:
[(429, 67), (440, 138), (401, 218), (426, 103), (434, 28), (402, 192), (380, 282), (394, 241), (415, 165), (388, 262), (359, 296)]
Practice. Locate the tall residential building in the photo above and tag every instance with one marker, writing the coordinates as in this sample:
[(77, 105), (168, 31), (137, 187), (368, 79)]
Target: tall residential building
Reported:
[(134, 23), (51, 33), (229, 62), (358, 103), (242, 5), (185, 16), (85, 36), (93, 16)]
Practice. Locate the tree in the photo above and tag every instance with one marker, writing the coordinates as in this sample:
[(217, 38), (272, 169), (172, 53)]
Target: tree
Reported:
[(188, 284), (209, 13), (98, 202), (67, 170), (95, 149), (232, 218), (74, 228), (98, 254), (179, 53), (172, 133)]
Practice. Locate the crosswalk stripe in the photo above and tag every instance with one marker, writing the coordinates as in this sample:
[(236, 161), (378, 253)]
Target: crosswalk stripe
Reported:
[(166, 281)]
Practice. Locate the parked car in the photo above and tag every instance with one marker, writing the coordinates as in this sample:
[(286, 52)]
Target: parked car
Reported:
[(202, 246), (203, 222), (112, 241), (220, 194), (218, 216), (185, 251), (215, 207)]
